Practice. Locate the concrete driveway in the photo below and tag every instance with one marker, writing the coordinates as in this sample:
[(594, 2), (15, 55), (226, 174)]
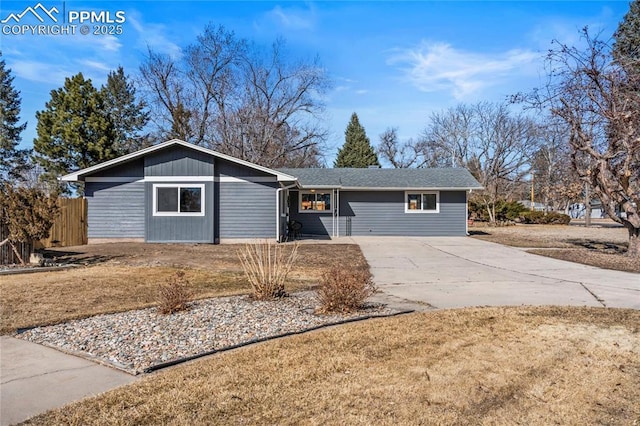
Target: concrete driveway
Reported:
[(461, 271)]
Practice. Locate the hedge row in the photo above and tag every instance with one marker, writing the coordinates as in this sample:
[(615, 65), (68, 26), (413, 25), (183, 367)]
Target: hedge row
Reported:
[(542, 218)]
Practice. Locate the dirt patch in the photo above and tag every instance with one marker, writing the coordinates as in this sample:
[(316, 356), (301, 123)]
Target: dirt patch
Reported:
[(471, 366), (603, 245)]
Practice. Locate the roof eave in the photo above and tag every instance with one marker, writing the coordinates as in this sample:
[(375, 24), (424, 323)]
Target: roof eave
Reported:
[(390, 188), (78, 176)]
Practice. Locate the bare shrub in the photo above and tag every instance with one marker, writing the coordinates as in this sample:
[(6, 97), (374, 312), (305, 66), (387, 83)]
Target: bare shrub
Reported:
[(345, 290), (174, 295), (266, 265)]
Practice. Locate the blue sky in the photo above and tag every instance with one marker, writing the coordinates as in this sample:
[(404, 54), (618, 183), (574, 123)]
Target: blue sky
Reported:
[(394, 63)]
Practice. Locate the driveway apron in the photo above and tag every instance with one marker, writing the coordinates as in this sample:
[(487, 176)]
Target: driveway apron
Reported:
[(455, 272)]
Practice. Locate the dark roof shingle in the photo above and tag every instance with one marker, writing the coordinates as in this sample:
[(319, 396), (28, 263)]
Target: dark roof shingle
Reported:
[(449, 178)]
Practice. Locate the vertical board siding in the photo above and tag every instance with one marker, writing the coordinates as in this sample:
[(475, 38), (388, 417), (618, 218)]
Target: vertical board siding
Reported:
[(180, 229), (115, 210), (133, 168), (247, 210), (382, 213), (227, 168), (178, 161)]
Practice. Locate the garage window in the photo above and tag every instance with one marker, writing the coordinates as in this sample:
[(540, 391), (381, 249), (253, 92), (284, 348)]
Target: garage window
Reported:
[(422, 202), (178, 200)]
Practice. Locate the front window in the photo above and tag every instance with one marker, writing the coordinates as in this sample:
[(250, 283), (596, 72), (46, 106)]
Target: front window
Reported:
[(422, 202), (178, 200), (315, 201)]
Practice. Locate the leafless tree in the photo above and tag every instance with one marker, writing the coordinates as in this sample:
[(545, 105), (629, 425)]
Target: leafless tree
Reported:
[(495, 144), (450, 136), (556, 184), (401, 155), (241, 99), (599, 100)]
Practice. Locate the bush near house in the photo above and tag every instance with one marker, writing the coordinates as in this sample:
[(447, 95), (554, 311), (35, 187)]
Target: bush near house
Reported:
[(266, 265), (344, 290), (174, 295), (505, 210), (542, 218)]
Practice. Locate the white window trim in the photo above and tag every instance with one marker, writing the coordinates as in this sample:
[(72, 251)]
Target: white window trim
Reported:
[(178, 186), (315, 191), (421, 193)]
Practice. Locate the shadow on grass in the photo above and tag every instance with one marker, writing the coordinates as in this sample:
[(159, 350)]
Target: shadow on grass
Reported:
[(600, 246), (475, 232), (76, 257)]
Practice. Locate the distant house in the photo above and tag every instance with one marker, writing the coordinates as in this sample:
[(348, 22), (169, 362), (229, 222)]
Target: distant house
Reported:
[(578, 210), (539, 207), (179, 192)]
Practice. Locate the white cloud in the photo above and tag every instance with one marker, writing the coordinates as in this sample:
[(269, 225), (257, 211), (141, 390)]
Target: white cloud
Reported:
[(41, 72), (153, 36), (293, 18), (439, 66), (55, 74), (108, 42), (98, 66)]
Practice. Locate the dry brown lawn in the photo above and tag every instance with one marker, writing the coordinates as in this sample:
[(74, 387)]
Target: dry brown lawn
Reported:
[(602, 245), (121, 277), (472, 366)]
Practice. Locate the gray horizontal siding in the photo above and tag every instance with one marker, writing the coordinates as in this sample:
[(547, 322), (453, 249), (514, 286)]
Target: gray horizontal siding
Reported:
[(383, 213), (178, 161), (115, 210), (180, 229), (247, 210)]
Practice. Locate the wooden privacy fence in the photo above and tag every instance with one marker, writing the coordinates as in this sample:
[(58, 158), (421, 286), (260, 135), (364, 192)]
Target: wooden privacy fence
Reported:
[(70, 227), (7, 256)]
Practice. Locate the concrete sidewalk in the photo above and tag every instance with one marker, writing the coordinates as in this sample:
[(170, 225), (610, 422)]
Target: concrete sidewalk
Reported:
[(460, 271), (35, 379)]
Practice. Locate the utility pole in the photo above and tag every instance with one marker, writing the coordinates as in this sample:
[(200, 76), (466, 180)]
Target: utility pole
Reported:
[(532, 194), (587, 205)]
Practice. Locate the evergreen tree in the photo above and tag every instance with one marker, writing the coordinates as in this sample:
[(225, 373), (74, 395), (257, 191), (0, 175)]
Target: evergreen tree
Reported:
[(127, 115), (627, 37), (13, 161), (357, 150), (74, 131)]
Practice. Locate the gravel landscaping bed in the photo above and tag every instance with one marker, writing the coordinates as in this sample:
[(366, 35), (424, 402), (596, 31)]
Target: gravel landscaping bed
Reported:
[(135, 341)]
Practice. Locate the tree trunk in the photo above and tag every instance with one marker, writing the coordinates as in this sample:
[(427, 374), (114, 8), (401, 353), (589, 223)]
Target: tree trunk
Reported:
[(587, 205), (17, 253), (492, 216), (634, 243)]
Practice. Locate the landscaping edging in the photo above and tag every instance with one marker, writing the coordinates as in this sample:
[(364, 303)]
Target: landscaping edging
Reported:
[(143, 341), (153, 368), (36, 269)]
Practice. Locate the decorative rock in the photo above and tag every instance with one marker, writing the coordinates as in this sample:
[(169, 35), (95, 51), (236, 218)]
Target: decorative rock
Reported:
[(136, 340)]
